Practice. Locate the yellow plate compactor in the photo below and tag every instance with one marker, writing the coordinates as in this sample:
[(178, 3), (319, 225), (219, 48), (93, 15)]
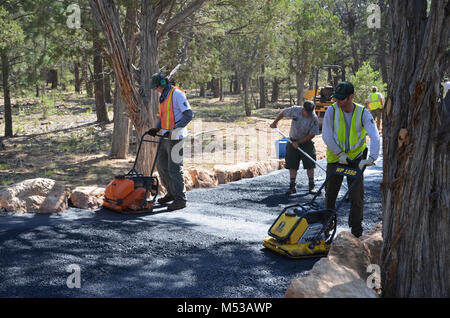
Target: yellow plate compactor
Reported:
[(307, 230)]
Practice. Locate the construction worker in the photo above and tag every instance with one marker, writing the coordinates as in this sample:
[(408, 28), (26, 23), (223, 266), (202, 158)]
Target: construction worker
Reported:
[(375, 103), (174, 115), (344, 131), (304, 127)]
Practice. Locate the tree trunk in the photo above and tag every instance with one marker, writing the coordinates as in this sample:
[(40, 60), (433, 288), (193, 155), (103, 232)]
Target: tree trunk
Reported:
[(221, 89), (382, 44), (77, 77), (121, 132), (237, 84), (246, 83), (300, 81), (262, 89), (99, 88), (202, 90), (415, 189), (107, 86), (52, 77), (275, 90), (85, 75), (6, 95), (216, 87)]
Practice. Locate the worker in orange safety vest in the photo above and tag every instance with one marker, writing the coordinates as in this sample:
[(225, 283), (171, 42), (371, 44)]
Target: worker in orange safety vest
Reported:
[(174, 115)]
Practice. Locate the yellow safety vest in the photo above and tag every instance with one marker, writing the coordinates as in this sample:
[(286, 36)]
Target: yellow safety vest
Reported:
[(357, 137), (375, 101)]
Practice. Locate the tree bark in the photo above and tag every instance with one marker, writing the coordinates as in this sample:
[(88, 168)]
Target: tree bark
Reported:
[(237, 84), (6, 95), (85, 76), (122, 126), (202, 90), (262, 89), (275, 90), (77, 77), (216, 87), (107, 86), (99, 88), (300, 82), (415, 189), (246, 83), (121, 132), (382, 44)]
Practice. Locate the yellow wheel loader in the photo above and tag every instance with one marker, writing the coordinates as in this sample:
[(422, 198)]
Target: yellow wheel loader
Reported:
[(321, 95)]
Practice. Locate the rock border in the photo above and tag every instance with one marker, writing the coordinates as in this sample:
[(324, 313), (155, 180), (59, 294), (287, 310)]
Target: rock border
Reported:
[(91, 197)]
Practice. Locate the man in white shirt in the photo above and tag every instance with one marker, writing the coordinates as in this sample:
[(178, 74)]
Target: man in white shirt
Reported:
[(446, 87), (174, 115), (344, 131)]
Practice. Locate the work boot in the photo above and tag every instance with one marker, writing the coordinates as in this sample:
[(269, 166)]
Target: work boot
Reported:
[(312, 188), (176, 205), (357, 232), (166, 199), (292, 189)]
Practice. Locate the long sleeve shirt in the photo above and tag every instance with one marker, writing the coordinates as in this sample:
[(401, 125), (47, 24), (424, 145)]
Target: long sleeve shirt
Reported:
[(368, 123)]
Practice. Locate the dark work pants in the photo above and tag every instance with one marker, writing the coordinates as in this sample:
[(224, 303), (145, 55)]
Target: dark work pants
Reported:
[(356, 196), (170, 168)]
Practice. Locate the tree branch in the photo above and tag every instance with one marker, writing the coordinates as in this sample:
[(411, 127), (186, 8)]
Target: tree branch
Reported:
[(179, 17)]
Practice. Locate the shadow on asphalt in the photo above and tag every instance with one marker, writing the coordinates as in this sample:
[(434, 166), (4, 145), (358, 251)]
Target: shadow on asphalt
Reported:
[(127, 256)]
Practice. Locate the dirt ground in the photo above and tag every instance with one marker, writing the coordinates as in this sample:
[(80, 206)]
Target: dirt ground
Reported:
[(60, 139)]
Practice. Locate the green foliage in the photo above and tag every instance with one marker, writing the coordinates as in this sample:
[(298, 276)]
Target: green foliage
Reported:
[(363, 80), (11, 34), (47, 105)]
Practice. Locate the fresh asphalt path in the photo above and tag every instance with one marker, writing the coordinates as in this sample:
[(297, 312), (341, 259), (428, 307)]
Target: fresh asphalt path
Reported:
[(212, 248)]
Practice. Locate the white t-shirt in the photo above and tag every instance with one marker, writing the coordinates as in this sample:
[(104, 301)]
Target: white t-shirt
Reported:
[(446, 88), (180, 105)]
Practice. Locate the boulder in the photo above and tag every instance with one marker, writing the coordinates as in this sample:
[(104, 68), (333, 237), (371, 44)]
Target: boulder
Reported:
[(203, 178), (224, 174), (87, 197), (188, 181), (329, 280), (348, 251), (374, 242), (206, 179), (39, 195), (342, 274), (230, 173)]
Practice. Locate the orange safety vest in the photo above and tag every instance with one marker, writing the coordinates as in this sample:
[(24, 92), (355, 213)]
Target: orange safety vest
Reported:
[(166, 111)]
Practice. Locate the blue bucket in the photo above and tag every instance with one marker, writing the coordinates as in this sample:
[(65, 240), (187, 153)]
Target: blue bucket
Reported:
[(280, 147)]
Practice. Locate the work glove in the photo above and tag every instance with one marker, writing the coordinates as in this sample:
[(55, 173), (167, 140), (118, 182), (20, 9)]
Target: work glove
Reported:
[(366, 162), (153, 131), (343, 158)]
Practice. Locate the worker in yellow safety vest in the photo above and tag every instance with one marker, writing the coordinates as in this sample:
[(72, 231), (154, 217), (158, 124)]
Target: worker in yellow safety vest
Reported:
[(344, 131), (174, 115), (375, 104)]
